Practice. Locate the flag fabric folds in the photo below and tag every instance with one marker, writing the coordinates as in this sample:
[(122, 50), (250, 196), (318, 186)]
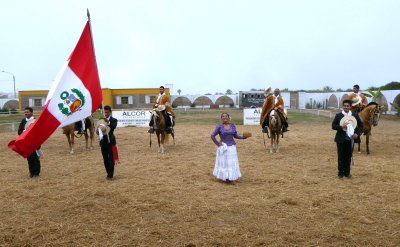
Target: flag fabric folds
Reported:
[(75, 94)]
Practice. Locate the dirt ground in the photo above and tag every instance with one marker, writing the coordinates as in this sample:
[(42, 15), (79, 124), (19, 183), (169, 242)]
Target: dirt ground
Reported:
[(291, 198)]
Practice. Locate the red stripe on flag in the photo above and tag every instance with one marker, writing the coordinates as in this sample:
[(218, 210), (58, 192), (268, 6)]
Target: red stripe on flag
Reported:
[(83, 63), (35, 135)]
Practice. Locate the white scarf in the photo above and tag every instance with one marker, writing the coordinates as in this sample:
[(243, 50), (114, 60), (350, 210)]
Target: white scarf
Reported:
[(276, 98), (28, 119), (350, 129), (159, 98)]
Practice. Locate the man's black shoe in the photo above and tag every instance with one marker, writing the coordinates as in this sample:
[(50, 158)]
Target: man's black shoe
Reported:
[(151, 130)]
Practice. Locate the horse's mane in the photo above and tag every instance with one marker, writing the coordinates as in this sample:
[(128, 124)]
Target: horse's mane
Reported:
[(372, 103)]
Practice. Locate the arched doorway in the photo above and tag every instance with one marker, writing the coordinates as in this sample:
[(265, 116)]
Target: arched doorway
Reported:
[(332, 102), (181, 101), (224, 101), (203, 102)]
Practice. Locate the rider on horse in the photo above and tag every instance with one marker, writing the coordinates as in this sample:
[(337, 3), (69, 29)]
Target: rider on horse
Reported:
[(163, 100), (359, 101), (273, 102)]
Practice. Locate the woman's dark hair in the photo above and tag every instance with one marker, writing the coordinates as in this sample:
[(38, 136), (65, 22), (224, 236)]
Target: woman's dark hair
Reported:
[(226, 114)]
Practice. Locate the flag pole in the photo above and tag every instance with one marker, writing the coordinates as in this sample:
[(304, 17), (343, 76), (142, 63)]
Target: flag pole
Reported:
[(94, 53)]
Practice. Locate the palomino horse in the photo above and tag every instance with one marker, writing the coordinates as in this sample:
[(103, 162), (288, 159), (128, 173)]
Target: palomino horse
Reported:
[(370, 117), (275, 130), (160, 129), (70, 129)]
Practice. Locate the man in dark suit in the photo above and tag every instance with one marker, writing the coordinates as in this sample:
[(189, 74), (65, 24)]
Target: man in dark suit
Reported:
[(107, 142), (33, 159), (345, 138)]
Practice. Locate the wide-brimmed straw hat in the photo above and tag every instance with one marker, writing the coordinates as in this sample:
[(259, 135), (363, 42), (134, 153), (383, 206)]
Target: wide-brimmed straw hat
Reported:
[(355, 101), (267, 91), (102, 125), (348, 120)]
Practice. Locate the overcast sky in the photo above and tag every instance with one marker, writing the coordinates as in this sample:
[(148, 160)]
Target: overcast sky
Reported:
[(206, 46)]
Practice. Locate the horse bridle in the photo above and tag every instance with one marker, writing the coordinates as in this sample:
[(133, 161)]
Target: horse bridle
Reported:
[(372, 118)]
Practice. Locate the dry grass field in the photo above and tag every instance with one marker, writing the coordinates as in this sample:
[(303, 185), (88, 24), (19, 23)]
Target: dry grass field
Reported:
[(291, 198)]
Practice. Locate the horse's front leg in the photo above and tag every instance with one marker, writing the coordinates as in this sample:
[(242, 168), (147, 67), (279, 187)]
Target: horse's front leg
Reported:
[(367, 142), (91, 132), (277, 142), (271, 148), (86, 140), (71, 143), (159, 141), (162, 142)]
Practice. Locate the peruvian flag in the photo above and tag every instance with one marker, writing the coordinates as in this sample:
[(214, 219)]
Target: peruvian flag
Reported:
[(74, 95)]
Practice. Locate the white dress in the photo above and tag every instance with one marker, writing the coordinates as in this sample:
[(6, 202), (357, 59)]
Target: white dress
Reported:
[(227, 163)]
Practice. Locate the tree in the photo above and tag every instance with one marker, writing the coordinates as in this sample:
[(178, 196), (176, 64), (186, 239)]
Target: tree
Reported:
[(394, 85), (228, 91), (179, 91), (327, 89)]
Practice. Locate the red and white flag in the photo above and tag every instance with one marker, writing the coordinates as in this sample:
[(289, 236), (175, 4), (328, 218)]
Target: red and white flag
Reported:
[(74, 95)]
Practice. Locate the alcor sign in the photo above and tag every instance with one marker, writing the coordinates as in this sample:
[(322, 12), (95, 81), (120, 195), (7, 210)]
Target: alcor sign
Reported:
[(138, 118)]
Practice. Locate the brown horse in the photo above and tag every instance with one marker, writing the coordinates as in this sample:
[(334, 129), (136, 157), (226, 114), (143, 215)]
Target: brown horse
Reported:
[(370, 117), (69, 131), (275, 130), (160, 129)]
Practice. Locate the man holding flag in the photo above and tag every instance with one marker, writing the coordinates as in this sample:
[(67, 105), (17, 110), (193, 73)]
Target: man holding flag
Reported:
[(75, 94), (33, 159)]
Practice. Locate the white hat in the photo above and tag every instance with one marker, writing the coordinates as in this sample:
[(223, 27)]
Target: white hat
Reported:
[(267, 91), (356, 101), (102, 125), (348, 120)]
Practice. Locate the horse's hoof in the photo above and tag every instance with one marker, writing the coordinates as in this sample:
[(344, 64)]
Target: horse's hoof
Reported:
[(72, 152), (359, 152)]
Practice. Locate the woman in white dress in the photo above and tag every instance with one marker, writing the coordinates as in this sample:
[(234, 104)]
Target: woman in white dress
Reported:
[(227, 162)]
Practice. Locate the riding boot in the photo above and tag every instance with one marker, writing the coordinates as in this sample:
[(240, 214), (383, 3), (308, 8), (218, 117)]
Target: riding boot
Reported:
[(284, 128), (265, 129)]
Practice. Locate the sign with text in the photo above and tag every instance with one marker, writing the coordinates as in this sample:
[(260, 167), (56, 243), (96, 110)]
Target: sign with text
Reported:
[(251, 116), (138, 118)]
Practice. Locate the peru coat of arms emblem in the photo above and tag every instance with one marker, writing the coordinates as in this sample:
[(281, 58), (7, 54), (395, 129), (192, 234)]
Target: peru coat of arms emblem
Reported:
[(71, 101)]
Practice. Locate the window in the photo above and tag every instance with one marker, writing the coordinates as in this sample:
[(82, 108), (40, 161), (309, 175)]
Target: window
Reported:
[(37, 102), (150, 99), (124, 100)]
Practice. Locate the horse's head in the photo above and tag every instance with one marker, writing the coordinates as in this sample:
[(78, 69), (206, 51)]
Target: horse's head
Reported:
[(273, 118), (371, 113), (375, 114), (157, 116)]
